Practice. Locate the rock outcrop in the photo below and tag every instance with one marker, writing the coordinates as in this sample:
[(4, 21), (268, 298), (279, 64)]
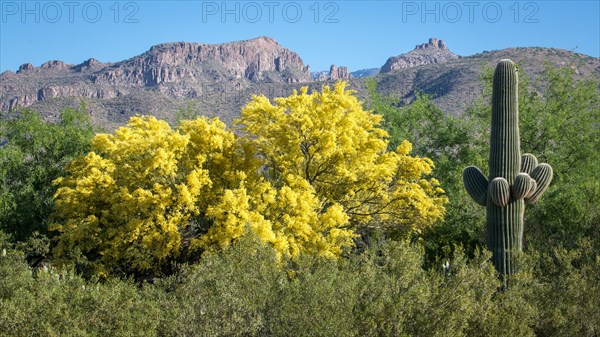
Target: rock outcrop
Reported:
[(435, 51), (54, 65), (25, 67), (339, 73), (335, 73), (89, 64)]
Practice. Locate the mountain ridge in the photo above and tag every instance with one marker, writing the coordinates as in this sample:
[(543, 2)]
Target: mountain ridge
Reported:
[(218, 79), (179, 68)]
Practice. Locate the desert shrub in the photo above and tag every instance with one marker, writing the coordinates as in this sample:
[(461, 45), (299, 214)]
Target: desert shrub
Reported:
[(381, 292), (55, 302), (225, 294), (318, 300), (568, 292), (246, 290)]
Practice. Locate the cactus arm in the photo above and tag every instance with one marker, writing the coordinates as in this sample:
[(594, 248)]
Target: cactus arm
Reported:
[(542, 174), (524, 186), (499, 191), (528, 163), (476, 184)]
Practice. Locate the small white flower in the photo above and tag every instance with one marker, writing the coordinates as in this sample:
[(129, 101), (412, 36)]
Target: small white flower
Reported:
[(446, 266)]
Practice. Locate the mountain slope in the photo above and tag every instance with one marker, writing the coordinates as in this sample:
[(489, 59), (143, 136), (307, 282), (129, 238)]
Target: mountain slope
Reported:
[(456, 83), (217, 80)]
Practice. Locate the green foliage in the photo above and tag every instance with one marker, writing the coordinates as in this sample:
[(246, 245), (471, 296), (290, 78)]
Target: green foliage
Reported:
[(53, 302), (449, 141), (383, 291), (563, 125), (188, 112), (244, 291), (568, 288), (444, 138), (226, 294), (561, 122), (33, 154)]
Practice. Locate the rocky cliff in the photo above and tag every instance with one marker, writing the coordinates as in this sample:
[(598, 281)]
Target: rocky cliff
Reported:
[(183, 70), (257, 60), (435, 51)]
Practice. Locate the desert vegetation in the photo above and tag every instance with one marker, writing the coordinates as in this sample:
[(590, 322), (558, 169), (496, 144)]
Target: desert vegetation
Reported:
[(315, 214)]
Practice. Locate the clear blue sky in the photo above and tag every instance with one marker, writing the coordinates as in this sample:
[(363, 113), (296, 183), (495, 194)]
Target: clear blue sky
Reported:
[(357, 34)]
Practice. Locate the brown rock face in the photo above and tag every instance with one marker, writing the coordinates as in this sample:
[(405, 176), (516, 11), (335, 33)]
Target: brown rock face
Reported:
[(89, 64), (258, 60), (434, 51), (179, 69)]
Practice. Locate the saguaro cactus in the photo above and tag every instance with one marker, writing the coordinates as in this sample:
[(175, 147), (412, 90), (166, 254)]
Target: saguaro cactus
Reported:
[(513, 180)]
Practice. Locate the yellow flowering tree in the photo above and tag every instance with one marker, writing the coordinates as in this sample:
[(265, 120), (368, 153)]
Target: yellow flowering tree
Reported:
[(291, 218), (124, 204), (308, 171), (327, 139)]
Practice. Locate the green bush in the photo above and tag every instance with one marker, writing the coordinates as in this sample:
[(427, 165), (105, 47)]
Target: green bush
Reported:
[(224, 295), (33, 153), (567, 292), (51, 302), (246, 291), (381, 292)]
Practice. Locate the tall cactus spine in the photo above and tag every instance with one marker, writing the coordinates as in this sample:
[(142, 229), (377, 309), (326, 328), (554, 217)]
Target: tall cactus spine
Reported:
[(513, 179)]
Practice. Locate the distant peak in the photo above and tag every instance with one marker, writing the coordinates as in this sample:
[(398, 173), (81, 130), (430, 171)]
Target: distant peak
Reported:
[(433, 43), (434, 51), (264, 38)]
